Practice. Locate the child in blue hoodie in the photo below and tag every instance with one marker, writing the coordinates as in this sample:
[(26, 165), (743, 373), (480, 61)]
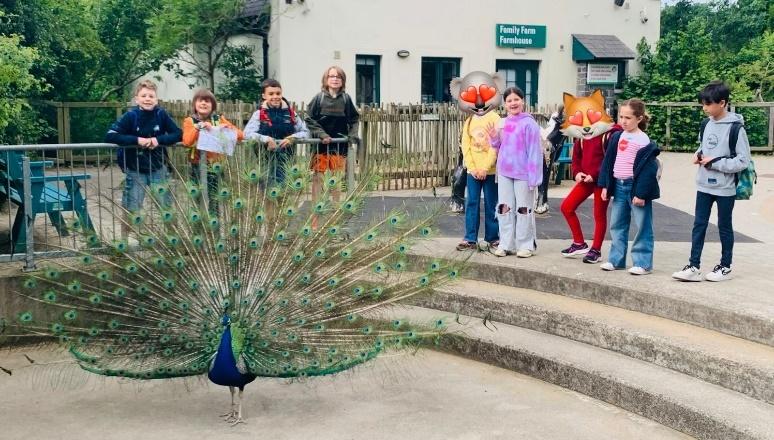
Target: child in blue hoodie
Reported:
[(716, 180)]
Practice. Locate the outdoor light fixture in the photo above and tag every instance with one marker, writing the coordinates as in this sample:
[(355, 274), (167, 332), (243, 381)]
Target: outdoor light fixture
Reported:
[(619, 2), (403, 53)]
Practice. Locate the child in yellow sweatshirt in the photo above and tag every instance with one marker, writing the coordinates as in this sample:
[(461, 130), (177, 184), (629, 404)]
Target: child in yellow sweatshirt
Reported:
[(480, 155)]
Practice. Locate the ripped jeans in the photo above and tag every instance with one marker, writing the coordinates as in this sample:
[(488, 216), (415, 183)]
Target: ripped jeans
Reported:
[(515, 214)]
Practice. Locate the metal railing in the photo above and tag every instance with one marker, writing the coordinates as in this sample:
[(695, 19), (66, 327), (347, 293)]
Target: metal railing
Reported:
[(39, 183)]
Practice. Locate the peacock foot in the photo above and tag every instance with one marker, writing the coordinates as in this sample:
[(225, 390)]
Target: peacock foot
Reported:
[(237, 420)]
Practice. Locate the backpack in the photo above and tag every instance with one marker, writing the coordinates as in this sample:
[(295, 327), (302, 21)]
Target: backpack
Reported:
[(744, 179), (263, 115)]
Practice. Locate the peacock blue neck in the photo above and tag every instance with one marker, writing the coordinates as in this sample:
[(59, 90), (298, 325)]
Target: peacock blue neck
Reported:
[(224, 370)]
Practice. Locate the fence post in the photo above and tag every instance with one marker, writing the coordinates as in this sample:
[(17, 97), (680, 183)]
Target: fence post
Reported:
[(351, 166), (668, 133), (203, 184), (29, 217), (771, 127)]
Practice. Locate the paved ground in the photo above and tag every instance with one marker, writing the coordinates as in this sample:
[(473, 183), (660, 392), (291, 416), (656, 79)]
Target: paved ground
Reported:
[(441, 397)]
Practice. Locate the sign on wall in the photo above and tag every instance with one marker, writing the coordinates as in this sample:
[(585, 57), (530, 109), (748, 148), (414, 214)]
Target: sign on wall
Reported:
[(602, 74), (520, 35)]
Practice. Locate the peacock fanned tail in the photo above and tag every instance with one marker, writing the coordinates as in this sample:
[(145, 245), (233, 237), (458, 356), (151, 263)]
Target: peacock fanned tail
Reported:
[(301, 301)]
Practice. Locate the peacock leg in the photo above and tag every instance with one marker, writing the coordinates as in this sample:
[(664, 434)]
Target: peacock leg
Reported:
[(238, 419), (231, 415)]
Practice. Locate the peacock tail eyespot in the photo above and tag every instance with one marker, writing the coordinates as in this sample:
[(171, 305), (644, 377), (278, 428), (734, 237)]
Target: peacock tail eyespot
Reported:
[(94, 332), (184, 320), (253, 175), (74, 287), (346, 253), (306, 350), (30, 283), (333, 282), (71, 315), (49, 296), (371, 235), (380, 267), (233, 259), (167, 216), (83, 340), (57, 328), (306, 231), (319, 327), (411, 334), (130, 268), (220, 247), (320, 253), (224, 193), (165, 305), (169, 284), (396, 324), (274, 193), (25, 317), (194, 217), (435, 266), (143, 333), (333, 351), (51, 274), (454, 273), (439, 323), (87, 259), (333, 230), (298, 184), (120, 292), (226, 303), (305, 301), (216, 168), (280, 236), (279, 282), (300, 321), (262, 310), (393, 220), (136, 219), (259, 292), (305, 278), (253, 243), (139, 311), (424, 280), (163, 325), (239, 204), (284, 302), (113, 324), (179, 263), (298, 257), (425, 232), (400, 266), (376, 292), (214, 223), (319, 207), (167, 353), (173, 240), (95, 299), (357, 291), (236, 285), (290, 212), (329, 305), (274, 333), (351, 318), (92, 240), (142, 289), (234, 230), (260, 217), (367, 330)]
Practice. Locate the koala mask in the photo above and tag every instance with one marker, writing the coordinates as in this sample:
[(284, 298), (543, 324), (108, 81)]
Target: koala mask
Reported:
[(477, 93)]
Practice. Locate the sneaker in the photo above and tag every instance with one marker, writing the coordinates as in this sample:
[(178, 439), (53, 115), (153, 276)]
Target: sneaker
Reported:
[(500, 252), (576, 249), (483, 245), (608, 266), (456, 208), (592, 256), (637, 270), (541, 209), (466, 246), (689, 273), (719, 273), (524, 253)]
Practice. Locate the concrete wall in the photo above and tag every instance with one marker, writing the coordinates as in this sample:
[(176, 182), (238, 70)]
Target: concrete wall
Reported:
[(307, 37)]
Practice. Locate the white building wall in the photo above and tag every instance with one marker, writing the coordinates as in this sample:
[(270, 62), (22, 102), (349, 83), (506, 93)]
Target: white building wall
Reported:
[(172, 88), (310, 36)]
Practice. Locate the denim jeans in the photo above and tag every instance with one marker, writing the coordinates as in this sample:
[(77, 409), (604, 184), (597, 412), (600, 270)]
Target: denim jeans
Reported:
[(278, 160), (472, 208), (620, 217), (704, 203), (213, 183), (137, 183), (517, 229)]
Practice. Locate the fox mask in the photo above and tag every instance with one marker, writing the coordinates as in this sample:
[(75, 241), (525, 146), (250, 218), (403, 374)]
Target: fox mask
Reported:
[(585, 117)]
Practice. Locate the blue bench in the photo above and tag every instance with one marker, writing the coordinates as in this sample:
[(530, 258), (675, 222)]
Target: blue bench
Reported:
[(46, 196), (565, 158)]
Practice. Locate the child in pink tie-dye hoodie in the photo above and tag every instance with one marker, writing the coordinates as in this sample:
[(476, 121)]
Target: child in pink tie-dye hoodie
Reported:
[(519, 173)]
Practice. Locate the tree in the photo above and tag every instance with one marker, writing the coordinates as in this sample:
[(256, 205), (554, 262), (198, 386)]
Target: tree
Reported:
[(19, 122), (242, 78), (194, 35)]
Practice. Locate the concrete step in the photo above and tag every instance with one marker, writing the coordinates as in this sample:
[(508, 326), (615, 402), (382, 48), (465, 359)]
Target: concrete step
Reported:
[(742, 308), (731, 362), (682, 402)]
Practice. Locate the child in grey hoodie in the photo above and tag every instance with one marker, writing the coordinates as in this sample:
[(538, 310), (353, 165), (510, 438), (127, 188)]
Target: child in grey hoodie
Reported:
[(716, 181)]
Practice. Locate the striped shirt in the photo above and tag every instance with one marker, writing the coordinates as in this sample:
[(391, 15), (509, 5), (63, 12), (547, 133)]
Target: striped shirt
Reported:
[(628, 146)]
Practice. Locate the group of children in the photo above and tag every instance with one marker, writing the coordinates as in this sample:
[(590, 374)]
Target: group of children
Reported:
[(504, 158), (275, 124)]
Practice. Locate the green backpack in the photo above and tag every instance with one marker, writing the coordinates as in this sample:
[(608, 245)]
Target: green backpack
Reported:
[(746, 178)]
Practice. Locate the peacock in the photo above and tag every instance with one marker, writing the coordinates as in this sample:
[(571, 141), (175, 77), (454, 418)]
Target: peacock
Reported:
[(249, 290)]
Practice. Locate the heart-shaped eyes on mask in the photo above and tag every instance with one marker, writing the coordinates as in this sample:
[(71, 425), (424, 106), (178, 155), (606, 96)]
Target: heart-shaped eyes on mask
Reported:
[(594, 115), (469, 95), (486, 92), (577, 118)]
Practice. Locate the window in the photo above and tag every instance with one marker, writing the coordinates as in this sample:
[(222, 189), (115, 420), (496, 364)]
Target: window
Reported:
[(522, 74), (367, 79), (437, 73)]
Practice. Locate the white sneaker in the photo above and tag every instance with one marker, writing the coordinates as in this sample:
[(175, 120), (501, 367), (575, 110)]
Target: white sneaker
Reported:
[(689, 273), (483, 245), (608, 266), (541, 209), (719, 273), (500, 252), (524, 253), (637, 270)]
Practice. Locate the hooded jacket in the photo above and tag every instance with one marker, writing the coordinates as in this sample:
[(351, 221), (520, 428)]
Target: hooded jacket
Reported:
[(645, 179), (520, 152), (719, 176)]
